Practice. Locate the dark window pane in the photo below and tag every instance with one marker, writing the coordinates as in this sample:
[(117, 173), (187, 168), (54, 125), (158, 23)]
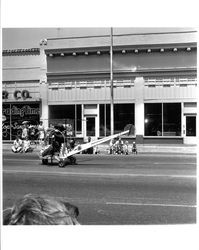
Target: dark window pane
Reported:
[(104, 119), (79, 118), (63, 114), (90, 126), (190, 126), (123, 115), (171, 119), (153, 119)]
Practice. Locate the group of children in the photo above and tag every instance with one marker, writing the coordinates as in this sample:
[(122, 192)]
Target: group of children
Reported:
[(22, 146), (119, 147), (28, 136)]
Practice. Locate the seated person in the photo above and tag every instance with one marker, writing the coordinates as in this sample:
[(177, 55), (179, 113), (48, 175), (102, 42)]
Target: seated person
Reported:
[(41, 210), (17, 145), (26, 146), (119, 146), (126, 148), (111, 146), (134, 148)]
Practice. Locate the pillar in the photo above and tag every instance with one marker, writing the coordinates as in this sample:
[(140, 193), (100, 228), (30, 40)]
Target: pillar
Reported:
[(44, 115), (139, 109)]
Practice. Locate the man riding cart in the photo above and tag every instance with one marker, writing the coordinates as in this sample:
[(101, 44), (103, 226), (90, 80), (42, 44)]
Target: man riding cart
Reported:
[(55, 142), (61, 151)]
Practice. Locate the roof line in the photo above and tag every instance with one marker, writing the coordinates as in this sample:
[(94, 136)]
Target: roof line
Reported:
[(127, 34)]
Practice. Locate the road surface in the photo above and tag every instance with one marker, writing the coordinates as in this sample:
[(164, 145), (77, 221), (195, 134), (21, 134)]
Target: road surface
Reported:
[(144, 189)]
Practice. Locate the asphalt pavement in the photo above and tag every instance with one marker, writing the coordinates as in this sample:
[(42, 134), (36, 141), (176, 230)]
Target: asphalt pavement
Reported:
[(143, 189)]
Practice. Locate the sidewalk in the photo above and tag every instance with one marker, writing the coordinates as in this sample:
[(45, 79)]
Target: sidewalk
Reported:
[(142, 148)]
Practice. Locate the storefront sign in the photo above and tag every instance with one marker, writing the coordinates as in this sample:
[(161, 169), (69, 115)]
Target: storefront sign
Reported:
[(18, 94), (25, 110), (22, 94), (5, 94)]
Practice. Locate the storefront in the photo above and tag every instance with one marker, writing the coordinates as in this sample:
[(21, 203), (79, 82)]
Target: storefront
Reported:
[(154, 86), (22, 94), (15, 115)]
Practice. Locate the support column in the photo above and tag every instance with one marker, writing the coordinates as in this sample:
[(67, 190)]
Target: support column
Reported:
[(97, 128), (44, 114), (43, 84), (139, 109)]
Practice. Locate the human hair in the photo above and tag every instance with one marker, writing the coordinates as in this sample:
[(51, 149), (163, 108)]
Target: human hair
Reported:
[(41, 210)]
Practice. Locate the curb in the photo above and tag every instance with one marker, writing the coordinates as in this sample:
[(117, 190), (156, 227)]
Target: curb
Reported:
[(104, 149)]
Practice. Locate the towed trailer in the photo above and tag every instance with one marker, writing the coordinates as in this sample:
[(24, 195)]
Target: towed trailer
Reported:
[(66, 156)]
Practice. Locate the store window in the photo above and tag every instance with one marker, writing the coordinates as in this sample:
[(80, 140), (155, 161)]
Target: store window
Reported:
[(105, 120), (68, 115), (171, 119), (190, 125), (162, 119), (15, 115), (123, 115), (153, 119)]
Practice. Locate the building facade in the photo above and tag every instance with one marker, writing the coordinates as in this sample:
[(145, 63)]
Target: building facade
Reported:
[(154, 85)]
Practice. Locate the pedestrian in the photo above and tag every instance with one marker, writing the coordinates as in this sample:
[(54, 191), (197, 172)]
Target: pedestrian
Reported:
[(17, 145), (41, 210), (41, 132), (25, 131), (134, 148), (33, 134)]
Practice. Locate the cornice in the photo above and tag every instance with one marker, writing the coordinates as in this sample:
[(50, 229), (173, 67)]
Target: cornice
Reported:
[(16, 52)]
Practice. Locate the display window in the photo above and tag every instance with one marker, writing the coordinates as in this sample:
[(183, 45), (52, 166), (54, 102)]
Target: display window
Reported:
[(16, 115), (123, 115), (67, 115), (162, 119)]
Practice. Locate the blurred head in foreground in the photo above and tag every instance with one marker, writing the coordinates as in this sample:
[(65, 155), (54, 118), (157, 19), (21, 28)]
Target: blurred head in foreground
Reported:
[(41, 210)]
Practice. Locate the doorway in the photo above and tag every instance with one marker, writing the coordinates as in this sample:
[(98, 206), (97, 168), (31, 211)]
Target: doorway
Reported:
[(190, 132), (90, 126)]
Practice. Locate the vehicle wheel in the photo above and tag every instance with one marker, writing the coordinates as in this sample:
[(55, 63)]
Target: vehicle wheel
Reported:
[(45, 161), (61, 164)]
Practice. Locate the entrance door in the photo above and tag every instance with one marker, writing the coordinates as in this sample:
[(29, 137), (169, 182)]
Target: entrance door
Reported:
[(190, 130), (90, 126)]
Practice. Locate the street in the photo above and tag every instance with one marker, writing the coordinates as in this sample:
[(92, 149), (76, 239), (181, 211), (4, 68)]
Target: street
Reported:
[(144, 189)]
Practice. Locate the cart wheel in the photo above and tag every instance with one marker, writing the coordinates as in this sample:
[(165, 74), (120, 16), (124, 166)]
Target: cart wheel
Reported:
[(61, 164), (45, 161)]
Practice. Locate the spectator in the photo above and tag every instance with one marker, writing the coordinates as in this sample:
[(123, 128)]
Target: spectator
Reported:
[(41, 132), (134, 148), (41, 210), (126, 148), (33, 134), (17, 145), (119, 146), (72, 143), (24, 131), (26, 146), (89, 150), (111, 146)]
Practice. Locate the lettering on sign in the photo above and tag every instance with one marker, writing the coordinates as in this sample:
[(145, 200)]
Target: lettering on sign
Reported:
[(25, 110), (22, 94), (5, 94)]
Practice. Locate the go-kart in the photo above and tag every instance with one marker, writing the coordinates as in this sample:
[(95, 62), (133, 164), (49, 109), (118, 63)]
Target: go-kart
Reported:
[(65, 155)]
